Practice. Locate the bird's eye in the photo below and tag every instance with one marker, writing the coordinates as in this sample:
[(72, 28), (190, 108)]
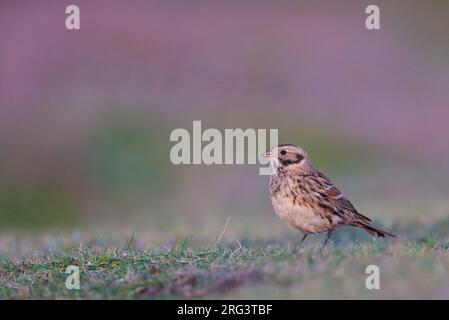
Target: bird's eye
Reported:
[(283, 152)]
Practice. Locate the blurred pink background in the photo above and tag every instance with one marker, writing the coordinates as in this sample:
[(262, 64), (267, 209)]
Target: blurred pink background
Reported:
[(85, 115)]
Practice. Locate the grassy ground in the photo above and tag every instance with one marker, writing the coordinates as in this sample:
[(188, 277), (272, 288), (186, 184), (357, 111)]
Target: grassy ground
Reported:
[(415, 266)]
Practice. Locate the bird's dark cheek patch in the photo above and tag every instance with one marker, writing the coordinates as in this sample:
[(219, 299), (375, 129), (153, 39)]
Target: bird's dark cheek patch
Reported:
[(291, 160)]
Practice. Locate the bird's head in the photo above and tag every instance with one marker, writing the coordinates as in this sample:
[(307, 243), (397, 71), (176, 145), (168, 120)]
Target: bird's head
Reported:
[(289, 156)]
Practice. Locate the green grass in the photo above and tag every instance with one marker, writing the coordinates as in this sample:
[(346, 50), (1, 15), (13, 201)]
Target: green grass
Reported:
[(249, 268)]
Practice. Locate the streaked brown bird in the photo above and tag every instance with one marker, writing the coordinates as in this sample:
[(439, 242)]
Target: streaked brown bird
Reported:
[(306, 199)]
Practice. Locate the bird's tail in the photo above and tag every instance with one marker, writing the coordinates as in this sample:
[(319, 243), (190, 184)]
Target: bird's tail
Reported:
[(372, 230)]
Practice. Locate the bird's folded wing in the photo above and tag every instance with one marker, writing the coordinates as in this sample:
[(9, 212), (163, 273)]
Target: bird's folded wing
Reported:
[(329, 191)]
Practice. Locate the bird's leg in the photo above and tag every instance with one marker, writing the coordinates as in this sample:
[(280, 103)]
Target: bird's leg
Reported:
[(302, 240), (328, 236)]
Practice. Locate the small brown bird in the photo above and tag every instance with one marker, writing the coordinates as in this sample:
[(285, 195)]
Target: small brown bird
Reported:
[(306, 199)]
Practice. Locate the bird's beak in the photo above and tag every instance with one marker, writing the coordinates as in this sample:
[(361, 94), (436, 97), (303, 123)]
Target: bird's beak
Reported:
[(267, 154)]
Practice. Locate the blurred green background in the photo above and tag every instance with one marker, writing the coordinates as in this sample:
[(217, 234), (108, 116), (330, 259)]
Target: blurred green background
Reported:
[(85, 116)]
